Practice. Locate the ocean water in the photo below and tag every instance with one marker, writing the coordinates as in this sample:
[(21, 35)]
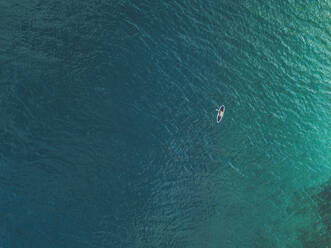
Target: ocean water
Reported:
[(108, 133)]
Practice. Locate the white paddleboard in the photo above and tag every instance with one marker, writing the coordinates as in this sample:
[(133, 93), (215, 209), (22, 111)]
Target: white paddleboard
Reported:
[(220, 113)]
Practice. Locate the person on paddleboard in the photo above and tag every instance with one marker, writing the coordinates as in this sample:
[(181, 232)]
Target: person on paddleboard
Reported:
[(220, 113)]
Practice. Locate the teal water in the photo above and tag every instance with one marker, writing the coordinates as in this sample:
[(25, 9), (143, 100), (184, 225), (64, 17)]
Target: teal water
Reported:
[(108, 133)]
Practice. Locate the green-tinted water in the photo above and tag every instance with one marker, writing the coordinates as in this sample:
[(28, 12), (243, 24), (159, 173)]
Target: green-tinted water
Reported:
[(275, 135)]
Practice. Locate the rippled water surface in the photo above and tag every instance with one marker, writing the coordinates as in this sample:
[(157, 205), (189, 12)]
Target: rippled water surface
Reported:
[(108, 133)]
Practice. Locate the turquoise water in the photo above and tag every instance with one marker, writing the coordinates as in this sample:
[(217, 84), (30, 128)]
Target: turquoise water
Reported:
[(108, 133)]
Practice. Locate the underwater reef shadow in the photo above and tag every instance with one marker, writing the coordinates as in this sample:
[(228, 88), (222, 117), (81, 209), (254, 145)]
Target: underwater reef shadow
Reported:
[(314, 206)]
